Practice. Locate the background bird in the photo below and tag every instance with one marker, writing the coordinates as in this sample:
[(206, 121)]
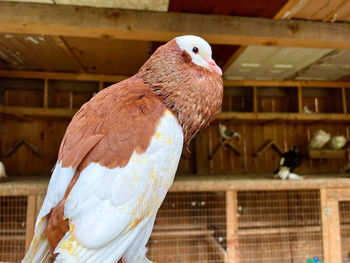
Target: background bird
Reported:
[(2, 171), (119, 156), (337, 142), (319, 139), (227, 134), (288, 162)]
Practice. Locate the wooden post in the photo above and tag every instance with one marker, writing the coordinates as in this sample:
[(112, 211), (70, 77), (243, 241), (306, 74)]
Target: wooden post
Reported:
[(300, 99), (46, 93), (255, 99), (100, 85), (330, 228), (343, 95), (231, 227), (30, 221)]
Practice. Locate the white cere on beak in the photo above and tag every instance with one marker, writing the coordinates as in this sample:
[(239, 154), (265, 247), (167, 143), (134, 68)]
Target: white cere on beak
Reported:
[(199, 50)]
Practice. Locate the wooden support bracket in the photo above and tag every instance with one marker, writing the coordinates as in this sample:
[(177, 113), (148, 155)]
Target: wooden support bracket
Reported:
[(30, 145), (268, 144), (229, 144)]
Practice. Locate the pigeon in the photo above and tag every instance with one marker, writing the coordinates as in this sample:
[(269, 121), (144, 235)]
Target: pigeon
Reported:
[(119, 156), (337, 142), (319, 139), (288, 162), (228, 134)]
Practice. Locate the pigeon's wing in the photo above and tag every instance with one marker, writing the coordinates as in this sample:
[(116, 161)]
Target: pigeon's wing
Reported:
[(107, 208)]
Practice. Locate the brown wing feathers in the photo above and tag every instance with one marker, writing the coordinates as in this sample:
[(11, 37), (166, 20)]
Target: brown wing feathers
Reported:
[(116, 122)]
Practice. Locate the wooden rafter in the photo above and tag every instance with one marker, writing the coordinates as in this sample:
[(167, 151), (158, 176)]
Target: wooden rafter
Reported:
[(157, 26)]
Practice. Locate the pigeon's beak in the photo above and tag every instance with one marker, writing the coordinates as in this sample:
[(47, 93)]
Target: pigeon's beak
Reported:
[(212, 65)]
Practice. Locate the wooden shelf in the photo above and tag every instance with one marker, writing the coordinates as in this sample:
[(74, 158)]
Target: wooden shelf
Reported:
[(37, 112), (238, 116), (294, 117), (278, 230), (326, 153)]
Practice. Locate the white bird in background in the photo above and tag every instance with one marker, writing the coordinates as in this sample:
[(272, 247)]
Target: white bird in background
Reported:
[(227, 134), (337, 142), (307, 110), (2, 171), (319, 139)]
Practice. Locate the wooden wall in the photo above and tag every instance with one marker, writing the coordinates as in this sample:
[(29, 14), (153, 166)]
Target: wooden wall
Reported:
[(46, 133)]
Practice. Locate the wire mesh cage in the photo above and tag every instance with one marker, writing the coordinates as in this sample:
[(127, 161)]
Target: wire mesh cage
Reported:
[(344, 218), (12, 227), (190, 227), (273, 226), (279, 226)]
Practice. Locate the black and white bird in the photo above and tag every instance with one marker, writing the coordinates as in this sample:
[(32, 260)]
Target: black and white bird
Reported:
[(227, 134), (288, 162)]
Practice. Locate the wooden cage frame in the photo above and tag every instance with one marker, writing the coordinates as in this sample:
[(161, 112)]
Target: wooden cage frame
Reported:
[(332, 191)]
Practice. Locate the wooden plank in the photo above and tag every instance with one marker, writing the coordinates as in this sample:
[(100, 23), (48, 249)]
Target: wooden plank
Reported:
[(300, 99), (330, 228), (343, 96), (60, 76), (293, 117), (327, 153), (231, 227), (338, 194), (114, 78), (181, 233), (157, 26), (285, 10), (46, 93), (30, 219), (39, 112), (201, 183), (100, 85), (255, 99), (278, 230)]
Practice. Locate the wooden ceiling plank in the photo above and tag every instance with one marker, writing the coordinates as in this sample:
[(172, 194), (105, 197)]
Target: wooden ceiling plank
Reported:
[(280, 14), (338, 12), (327, 8), (157, 26), (62, 45), (285, 11)]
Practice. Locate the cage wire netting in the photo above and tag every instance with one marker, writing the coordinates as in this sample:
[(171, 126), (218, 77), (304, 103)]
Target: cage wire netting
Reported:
[(12, 227), (273, 226)]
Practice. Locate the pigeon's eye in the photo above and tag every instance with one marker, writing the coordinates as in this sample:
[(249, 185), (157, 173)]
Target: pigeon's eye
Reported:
[(195, 50)]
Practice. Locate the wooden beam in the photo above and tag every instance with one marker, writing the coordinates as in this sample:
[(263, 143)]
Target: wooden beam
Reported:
[(61, 76), (46, 93), (30, 219), (115, 78), (62, 20), (231, 227), (276, 116), (343, 96), (330, 228)]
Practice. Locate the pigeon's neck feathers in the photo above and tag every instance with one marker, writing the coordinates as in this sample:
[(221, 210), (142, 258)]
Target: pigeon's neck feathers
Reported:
[(191, 92)]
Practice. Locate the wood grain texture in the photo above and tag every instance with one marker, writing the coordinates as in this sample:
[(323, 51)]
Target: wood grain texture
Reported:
[(138, 25)]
